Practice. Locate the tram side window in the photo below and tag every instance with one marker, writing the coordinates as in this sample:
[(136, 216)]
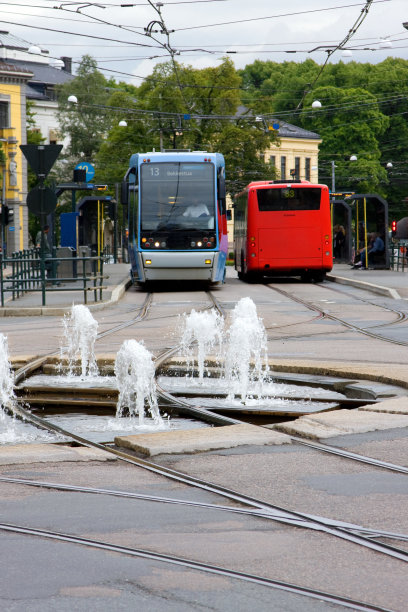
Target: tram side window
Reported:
[(288, 198)]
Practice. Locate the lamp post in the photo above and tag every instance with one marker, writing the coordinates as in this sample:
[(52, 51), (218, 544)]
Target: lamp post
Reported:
[(353, 158)]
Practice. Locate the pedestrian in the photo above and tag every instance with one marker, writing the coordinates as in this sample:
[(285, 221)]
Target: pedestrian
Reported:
[(42, 243), (339, 241)]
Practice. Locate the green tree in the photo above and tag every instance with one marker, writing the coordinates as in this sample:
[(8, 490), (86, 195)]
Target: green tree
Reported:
[(277, 88), (242, 148), (217, 122), (112, 159), (349, 122), (87, 122)]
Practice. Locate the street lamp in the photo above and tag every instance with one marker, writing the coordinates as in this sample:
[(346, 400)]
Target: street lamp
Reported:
[(34, 50), (122, 123), (316, 104), (73, 99)]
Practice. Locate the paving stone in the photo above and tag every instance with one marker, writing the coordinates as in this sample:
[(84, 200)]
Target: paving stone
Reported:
[(196, 440), (342, 422), (50, 453), (395, 405)]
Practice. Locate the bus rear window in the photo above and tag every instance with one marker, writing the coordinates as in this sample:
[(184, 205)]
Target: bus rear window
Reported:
[(288, 198)]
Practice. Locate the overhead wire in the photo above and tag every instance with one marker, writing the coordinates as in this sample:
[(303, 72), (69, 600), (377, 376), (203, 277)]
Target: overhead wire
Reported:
[(341, 44)]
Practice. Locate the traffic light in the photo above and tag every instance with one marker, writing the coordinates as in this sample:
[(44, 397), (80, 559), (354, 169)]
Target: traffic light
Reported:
[(7, 215), (393, 228)]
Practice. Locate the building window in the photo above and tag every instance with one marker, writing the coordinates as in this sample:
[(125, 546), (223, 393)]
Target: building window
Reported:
[(307, 168), (4, 115), (53, 136), (283, 167), (297, 168), (272, 160)]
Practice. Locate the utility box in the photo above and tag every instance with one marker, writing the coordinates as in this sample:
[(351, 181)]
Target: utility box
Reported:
[(67, 269)]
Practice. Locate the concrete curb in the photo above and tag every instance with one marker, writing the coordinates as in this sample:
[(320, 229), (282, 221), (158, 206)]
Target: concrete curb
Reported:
[(379, 289)]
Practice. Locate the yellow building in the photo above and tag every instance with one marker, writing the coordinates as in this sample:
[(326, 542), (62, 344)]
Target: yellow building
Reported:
[(295, 155), (14, 236)]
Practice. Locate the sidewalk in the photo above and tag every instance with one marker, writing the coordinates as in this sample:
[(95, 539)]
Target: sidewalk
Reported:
[(383, 282), (60, 302)]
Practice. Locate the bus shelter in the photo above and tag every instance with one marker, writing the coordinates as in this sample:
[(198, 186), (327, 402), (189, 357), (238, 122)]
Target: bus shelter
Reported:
[(369, 215), (342, 222)]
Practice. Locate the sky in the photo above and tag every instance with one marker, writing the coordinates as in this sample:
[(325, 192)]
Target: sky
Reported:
[(201, 32)]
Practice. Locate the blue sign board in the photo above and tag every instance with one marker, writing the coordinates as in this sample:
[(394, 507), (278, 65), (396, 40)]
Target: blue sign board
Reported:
[(68, 223), (89, 169)]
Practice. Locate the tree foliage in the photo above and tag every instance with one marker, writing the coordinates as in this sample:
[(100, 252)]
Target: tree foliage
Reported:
[(85, 123), (364, 112), (193, 109)]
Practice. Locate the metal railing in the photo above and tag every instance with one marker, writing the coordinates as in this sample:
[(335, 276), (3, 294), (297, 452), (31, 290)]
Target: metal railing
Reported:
[(26, 271), (399, 255)]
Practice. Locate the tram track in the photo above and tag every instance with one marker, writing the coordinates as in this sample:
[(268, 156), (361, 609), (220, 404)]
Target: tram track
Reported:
[(277, 516), (343, 322), (313, 522), (196, 565)]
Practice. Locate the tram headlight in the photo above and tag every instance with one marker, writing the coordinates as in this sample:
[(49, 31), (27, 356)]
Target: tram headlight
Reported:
[(157, 244), (192, 243), (163, 244), (199, 244)]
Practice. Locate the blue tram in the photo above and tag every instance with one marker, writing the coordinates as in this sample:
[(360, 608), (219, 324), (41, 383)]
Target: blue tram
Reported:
[(177, 218)]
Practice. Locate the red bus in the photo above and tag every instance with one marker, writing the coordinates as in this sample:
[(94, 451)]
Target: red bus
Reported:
[(283, 228)]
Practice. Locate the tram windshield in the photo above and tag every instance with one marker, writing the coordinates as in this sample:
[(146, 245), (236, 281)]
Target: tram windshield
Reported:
[(177, 196), (289, 198)]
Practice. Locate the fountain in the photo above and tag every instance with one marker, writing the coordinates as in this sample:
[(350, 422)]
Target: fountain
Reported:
[(6, 375), (246, 356), (237, 381), (134, 370), (203, 329), (13, 431), (80, 331)]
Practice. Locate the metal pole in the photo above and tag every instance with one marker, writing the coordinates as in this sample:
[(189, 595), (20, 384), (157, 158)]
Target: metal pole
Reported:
[(3, 203), (333, 177), (1, 279), (115, 225), (99, 231), (365, 232)]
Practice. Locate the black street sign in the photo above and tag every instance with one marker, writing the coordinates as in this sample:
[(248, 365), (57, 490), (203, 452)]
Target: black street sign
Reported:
[(41, 200), (41, 158)]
